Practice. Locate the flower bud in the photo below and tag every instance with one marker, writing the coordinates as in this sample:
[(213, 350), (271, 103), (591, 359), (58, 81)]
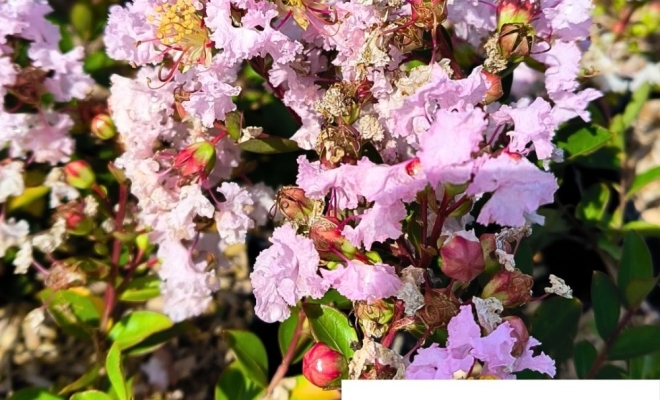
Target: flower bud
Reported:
[(198, 158), (516, 11), (516, 41), (438, 308), (79, 174), (295, 206), (326, 235), (77, 223), (142, 241), (495, 90), (453, 189), (374, 318), (103, 127), (324, 367), (512, 288), (414, 166), (462, 259), (519, 332)]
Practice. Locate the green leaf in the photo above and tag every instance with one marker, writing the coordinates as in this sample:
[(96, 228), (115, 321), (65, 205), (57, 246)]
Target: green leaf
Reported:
[(250, 353), (607, 306), (643, 228), (158, 339), (635, 342), (334, 298), (555, 324), (137, 326), (583, 358), (85, 380), (642, 180), (285, 334), (141, 289), (74, 312), (646, 367), (34, 394), (638, 289), (81, 19), (331, 327), (635, 264), (91, 395), (234, 124), (593, 205), (623, 121), (270, 145), (233, 384), (28, 196), (115, 372), (583, 141)]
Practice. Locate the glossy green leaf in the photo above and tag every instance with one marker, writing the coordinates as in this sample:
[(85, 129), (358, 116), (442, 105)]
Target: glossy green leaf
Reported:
[(555, 324), (141, 289), (285, 334), (584, 141), (638, 289), (233, 384), (643, 228), (270, 145), (115, 371), (234, 124), (137, 326), (85, 380), (74, 312), (635, 264), (28, 196), (250, 353), (635, 342), (606, 303), (34, 394), (583, 358), (158, 339), (646, 367), (593, 205), (91, 395), (333, 298), (623, 121), (331, 327), (642, 180), (524, 258)]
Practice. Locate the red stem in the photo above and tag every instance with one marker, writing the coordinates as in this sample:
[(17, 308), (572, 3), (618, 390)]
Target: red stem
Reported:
[(608, 343), (288, 357), (110, 296)]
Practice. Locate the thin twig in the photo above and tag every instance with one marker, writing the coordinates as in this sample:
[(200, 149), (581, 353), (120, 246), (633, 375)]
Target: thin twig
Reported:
[(288, 357)]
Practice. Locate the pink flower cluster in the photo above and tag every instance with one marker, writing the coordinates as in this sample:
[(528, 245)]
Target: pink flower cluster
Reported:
[(350, 72)]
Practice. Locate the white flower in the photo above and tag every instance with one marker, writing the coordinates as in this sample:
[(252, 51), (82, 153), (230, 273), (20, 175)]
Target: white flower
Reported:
[(11, 180)]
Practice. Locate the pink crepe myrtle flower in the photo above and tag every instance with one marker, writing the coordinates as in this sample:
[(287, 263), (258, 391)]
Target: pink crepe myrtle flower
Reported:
[(285, 273), (364, 282), (518, 189), (465, 346)]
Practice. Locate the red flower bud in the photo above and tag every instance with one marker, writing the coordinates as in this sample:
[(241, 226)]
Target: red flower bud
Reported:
[(516, 41), (512, 288), (323, 366), (519, 332), (198, 158), (103, 127), (326, 235), (517, 11), (462, 259), (414, 166), (79, 174), (295, 206)]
